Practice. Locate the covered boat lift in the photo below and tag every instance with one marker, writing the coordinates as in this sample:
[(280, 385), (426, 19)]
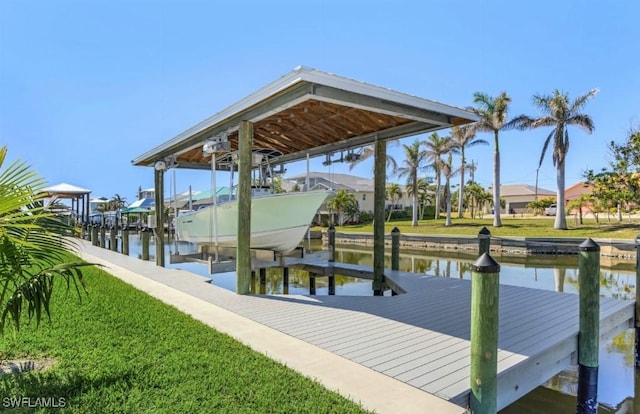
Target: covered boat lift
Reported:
[(305, 113)]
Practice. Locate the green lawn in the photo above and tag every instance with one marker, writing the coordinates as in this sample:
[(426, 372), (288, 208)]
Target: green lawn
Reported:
[(520, 227), (121, 351)]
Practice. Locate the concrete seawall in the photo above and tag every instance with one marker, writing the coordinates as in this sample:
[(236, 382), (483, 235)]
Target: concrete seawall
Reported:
[(621, 248)]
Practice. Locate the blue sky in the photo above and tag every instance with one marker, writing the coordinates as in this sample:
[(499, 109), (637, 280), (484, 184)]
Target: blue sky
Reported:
[(85, 87)]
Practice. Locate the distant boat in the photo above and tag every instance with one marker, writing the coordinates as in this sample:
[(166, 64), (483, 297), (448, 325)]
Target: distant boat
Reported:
[(278, 221)]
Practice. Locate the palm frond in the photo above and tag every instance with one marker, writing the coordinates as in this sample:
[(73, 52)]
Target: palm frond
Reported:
[(582, 121), (545, 146)]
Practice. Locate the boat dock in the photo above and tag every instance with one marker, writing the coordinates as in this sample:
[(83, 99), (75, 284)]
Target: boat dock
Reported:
[(419, 337)]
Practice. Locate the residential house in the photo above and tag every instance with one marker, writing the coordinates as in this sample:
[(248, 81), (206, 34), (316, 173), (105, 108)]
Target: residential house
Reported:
[(517, 196), (362, 188)]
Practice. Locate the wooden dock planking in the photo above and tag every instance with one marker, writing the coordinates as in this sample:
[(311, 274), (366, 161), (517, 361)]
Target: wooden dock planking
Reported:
[(420, 337)]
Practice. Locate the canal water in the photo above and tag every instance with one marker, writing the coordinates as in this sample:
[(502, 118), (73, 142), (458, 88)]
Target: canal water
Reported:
[(549, 272)]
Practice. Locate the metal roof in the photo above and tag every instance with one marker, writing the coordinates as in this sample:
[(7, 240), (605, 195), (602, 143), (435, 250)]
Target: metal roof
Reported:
[(63, 190), (311, 112)]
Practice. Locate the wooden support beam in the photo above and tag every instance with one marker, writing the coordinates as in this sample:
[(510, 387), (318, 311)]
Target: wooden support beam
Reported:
[(285, 280), (395, 249), (243, 250), (312, 283), (145, 235), (158, 176), (380, 178), (125, 241)]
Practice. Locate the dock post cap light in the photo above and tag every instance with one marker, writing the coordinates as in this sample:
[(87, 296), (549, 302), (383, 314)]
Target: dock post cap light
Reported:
[(160, 165)]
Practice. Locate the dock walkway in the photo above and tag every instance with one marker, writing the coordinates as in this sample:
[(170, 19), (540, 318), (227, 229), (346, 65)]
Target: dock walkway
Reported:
[(419, 338)]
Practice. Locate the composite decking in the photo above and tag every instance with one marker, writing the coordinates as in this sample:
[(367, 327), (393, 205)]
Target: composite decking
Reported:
[(420, 337)]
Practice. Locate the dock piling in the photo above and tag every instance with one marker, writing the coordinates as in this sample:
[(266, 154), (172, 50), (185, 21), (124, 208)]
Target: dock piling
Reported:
[(395, 249), (485, 284), (144, 234), (125, 241), (263, 280), (312, 283), (332, 284), (285, 280), (589, 330), (332, 243), (94, 235), (484, 241), (113, 239), (103, 231)]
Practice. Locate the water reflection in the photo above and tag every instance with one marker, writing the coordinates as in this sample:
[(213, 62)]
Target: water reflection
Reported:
[(550, 272)]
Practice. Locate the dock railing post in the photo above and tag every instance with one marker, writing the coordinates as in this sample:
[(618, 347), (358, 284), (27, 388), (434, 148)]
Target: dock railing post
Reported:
[(312, 283), (484, 241), (125, 241), (144, 234), (589, 330), (485, 285), (637, 314), (285, 280), (263, 280), (94, 235), (332, 243), (395, 249), (113, 238)]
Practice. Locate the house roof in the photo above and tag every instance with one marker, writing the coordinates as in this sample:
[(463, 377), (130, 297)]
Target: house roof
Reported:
[(308, 113), (577, 190), (143, 202), (63, 190), (347, 181), (523, 189)]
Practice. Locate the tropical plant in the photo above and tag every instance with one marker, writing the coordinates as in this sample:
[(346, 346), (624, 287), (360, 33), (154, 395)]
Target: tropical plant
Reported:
[(425, 196), (478, 197), (343, 204), (414, 158), (464, 137), (117, 202), (447, 171), (558, 112), (33, 248), (393, 193), (436, 147), (493, 114)]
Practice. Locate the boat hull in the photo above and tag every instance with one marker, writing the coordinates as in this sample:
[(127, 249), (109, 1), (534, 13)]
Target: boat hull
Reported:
[(278, 222)]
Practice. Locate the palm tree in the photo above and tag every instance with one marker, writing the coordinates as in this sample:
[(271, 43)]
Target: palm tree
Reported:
[(414, 158), (559, 113), (436, 147), (343, 202), (493, 118), (463, 137), (393, 193), (425, 196), (117, 202), (447, 171), (33, 249)]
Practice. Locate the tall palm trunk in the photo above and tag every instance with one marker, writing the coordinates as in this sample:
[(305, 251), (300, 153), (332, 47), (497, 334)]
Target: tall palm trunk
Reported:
[(447, 190), (561, 220), (496, 183), (414, 207), (461, 189), (437, 212)]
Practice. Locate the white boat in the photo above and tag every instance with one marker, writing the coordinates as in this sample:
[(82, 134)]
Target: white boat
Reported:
[(278, 221)]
